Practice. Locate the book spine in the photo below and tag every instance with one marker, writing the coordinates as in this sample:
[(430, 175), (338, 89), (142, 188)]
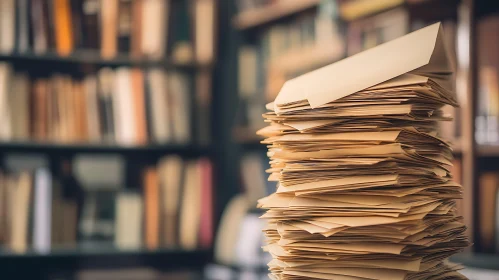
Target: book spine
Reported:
[(90, 24), (42, 218), (124, 25)]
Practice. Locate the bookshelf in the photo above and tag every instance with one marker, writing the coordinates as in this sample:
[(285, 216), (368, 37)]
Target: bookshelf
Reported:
[(92, 57), (62, 262), (267, 14), (487, 151), (176, 37), (474, 158), (48, 148)]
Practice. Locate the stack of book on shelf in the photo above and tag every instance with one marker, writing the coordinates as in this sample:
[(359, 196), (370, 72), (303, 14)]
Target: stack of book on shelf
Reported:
[(487, 116), (127, 106), (371, 31), (365, 188), (285, 50), (172, 209), (151, 29)]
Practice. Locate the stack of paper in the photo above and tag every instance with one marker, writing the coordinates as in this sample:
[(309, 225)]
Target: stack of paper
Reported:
[(364, 188)]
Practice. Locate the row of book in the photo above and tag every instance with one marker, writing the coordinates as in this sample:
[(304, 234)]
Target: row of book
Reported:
[(369, 32), (127, 106), (282, 51), (142, 28), (172, 208), (348, 9), (487, 115)]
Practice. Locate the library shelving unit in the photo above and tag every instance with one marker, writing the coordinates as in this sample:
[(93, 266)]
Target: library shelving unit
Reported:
[(69, 149), (63, 262), (57, 262), (91, 57), (465, 14)]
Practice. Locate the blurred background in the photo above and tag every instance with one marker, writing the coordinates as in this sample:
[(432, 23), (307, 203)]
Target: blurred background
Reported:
[(127, 127)]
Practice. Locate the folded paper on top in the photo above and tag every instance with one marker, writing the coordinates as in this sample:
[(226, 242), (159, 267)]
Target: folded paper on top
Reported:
[(421, 52)]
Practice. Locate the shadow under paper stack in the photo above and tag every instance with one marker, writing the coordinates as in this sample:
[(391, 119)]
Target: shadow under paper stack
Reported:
[(364, 184)]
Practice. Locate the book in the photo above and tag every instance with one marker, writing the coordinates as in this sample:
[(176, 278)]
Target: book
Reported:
[(136, 32), (206, 228), (77, 23), (3, 206), (190, 212), (63, 31), (155, 15), (109, 28), (151, 206), (179, 107), (202, 112), (170, 174), (159, 114), (22, 26), (125, 25), (139, 104), (107, 106), (125, 121), (39, 26), (21, 215), (93, 114), (7, 26), (204, 28), (129, 210), (57, 222), (42, 211), (5, 76), (488, 183), (181, 45), (19, 103), (90, 24)]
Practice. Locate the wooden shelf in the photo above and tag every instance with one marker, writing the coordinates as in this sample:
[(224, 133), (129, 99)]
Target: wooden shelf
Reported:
[(238, 268), (487, 150), (356, 9), (91, 57), (297, 61), (477, 260), (457, 147), (429, 9), (266, 14), (106, 258), (63, 148)]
